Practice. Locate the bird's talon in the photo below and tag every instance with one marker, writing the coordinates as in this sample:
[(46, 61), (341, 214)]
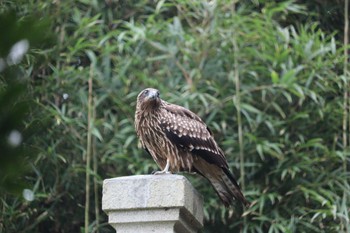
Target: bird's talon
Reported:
[(161, 173)]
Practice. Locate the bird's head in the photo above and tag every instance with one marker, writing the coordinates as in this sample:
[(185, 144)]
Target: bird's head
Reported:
[(148, 99)]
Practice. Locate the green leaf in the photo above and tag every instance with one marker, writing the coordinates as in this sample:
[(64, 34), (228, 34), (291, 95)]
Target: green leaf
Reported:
[(274, 77)]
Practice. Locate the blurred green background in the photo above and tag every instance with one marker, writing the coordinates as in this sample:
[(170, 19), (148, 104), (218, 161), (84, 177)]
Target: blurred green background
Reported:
[(268, 77)]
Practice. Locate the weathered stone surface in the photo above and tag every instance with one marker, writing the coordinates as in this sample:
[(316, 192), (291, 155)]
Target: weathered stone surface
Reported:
[(152, 203)]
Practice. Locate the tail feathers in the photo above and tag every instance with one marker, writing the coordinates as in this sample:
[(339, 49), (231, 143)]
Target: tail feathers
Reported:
[(223, 182), (229, 186)]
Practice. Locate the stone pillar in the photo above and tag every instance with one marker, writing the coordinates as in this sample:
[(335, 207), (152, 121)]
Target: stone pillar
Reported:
[(152, 203)]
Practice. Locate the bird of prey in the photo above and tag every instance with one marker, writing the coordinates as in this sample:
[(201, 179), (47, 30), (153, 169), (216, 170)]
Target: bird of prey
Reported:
[(178, 140)]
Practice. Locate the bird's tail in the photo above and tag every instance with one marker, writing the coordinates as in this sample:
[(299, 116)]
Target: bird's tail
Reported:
[(224, 184), (230, 186)]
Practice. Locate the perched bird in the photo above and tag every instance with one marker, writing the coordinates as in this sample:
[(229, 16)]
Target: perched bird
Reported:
[(178, 140)]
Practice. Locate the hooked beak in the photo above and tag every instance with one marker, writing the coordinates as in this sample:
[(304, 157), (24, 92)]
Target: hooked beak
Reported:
[(153, 94)]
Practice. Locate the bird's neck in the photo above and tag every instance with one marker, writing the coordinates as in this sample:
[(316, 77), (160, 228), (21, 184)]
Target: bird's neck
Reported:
[(148, 110)]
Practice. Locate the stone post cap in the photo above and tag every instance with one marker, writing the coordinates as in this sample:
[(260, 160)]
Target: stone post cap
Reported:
[(154, 203)]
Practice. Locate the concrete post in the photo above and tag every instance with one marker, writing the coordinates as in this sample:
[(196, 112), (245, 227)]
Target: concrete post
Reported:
[(152, 203)]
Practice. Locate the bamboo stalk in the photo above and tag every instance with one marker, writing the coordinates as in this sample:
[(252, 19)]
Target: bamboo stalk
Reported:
[(88, 153), (346, 84), (239, 122), (346, 119), (238, 107), (95, 166), (239, 116)]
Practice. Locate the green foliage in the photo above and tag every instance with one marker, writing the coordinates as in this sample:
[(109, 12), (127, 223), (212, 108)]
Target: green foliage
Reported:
[(290, 101), (18, 126)]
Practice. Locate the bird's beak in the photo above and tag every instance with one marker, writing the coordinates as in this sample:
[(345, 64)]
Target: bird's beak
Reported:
[(153, 94)]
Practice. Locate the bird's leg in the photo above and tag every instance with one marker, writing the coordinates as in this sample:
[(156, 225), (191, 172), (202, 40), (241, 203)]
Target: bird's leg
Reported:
[(165, 170)]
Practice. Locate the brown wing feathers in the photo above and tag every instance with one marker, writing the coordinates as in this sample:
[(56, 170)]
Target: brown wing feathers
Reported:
[(185, 135), (219, 175)]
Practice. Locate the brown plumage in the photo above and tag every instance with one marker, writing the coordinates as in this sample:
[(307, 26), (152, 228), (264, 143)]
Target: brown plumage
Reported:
[(178, 140)]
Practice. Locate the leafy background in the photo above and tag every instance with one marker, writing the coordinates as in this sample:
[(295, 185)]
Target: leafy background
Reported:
[(268, 77)]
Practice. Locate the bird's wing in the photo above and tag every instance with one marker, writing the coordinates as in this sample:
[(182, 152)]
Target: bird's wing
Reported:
[(186, 130)]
